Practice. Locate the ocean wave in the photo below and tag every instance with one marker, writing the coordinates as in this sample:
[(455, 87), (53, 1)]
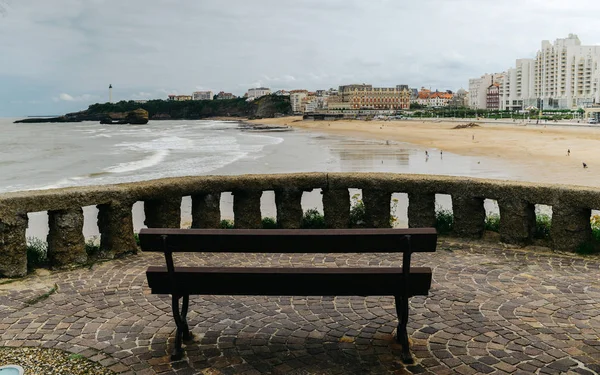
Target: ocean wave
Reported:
[(269, 139), (131, 166), (159, 144)]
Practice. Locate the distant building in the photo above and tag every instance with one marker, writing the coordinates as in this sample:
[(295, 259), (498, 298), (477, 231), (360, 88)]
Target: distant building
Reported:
[(493, 96), (363, 96), (140, 101), (478, 89), (313, 103), (280, 93), (460, 99), (414, 95), (225, 95), (564, 74), (202, 95), (423, 96), (180, 98), (439, 99), (258, 92), (296, 97)]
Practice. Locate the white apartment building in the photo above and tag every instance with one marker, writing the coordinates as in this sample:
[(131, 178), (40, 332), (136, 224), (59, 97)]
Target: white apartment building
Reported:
[(296, 97), (258, 92), (478, 89), (515, 86), (202, 95), (563, 75)]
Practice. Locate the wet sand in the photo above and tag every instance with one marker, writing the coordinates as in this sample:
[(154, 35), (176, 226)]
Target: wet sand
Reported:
[(538, 153)]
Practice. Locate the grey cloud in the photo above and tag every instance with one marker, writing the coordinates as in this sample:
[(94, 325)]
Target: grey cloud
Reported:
[(147, 48)]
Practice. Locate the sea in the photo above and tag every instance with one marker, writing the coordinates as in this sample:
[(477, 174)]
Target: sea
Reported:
[(47, 156)]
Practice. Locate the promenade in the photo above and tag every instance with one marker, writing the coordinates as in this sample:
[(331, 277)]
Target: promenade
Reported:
[(490, 310)]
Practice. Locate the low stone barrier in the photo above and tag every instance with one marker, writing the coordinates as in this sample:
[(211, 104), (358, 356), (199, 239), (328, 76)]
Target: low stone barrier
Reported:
[(571, 207)]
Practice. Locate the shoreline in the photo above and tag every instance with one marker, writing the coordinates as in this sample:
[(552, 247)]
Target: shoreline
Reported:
[(539, 151)]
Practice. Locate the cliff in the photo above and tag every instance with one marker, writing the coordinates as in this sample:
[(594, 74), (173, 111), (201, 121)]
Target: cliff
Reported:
[(267, 106)]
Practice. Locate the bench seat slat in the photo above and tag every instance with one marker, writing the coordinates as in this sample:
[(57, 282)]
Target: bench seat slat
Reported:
[(287, 281), (289, 240)]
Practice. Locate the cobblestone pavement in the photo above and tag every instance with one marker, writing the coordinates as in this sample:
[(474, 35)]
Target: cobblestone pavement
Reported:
[(490, 310)]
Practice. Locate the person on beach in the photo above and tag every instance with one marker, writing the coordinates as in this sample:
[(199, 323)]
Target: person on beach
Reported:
[(426, 154), (473, 137), (584, 165), (568, 152)]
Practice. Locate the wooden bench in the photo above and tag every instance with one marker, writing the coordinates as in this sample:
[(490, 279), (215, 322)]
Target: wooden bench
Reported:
[(181, 282)]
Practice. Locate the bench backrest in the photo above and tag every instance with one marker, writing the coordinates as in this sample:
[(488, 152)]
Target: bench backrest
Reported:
[(289, 240)]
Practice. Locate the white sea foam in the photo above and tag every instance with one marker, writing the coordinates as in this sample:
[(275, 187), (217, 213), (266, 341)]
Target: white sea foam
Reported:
[(269, 139), (164, 143), (150, 161)]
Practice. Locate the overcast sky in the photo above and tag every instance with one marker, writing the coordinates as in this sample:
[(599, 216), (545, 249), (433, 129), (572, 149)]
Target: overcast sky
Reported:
[(60, 55)]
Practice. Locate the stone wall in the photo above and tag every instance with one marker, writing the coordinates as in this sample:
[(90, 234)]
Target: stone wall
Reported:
[(571, 208)]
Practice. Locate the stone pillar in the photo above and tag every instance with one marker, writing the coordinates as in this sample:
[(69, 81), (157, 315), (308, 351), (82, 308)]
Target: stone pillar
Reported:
[(13, 245), (289, 208), (517, 221), (66, 244), (163, 213), (469, 216), (570, 227), (246, 209), (115, 223), (336, 207), (206, 210), (421, 210), (377, 208)]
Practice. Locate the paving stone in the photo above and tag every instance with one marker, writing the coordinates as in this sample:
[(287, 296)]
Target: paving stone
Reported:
[(491, 309)]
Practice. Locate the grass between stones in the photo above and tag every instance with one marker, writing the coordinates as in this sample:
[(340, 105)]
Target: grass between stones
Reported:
[(42, 297)]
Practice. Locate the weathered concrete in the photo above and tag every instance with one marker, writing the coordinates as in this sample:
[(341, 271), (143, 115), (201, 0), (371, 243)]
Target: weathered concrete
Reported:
[(570, 226), (289, 208), (491, 309), (421, 210), (246, 209), (13, 246), (336, 208), (206, 210), (469, 216), (115, 223), (377, 208), (66, 244), (163, 213), (517, 221)]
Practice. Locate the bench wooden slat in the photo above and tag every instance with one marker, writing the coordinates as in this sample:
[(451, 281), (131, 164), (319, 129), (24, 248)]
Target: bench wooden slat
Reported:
[(381, 281), (289, 240)]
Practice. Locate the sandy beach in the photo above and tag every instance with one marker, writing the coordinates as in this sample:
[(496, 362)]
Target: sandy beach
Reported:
[(538, 151)]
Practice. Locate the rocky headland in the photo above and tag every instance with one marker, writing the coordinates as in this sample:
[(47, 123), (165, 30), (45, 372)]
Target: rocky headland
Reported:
[(131, 112)]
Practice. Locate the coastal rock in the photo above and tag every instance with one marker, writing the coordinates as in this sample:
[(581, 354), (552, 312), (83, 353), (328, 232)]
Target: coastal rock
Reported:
[(161, 116), (136, 117)]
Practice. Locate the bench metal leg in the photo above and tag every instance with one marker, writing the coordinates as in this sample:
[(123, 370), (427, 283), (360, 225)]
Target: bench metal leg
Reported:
[(401, 333), (183, 331)]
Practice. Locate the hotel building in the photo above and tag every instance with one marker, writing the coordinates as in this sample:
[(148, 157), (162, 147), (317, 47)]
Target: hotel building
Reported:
[(368, 97), (563, 75)]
